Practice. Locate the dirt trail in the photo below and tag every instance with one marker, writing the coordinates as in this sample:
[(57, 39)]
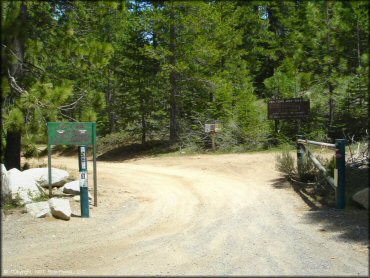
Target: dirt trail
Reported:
[(192, 215)]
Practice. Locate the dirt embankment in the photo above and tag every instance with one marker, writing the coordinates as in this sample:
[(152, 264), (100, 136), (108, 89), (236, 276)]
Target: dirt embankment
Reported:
[(192, 215)]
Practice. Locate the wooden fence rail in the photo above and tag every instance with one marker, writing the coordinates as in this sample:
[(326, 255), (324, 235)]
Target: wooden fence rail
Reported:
[(338, 182)]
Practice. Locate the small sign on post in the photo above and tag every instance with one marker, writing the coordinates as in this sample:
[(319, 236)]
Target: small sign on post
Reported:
[(213, 129), (208, 128)]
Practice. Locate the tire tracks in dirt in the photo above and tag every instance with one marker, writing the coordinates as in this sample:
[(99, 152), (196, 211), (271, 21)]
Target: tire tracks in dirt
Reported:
[(197, 215)]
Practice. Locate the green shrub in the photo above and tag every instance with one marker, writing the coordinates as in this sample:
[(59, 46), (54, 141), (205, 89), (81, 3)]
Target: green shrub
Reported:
[(8, 203), (113, 140), (314, 182), (26, 166), (308, 172), (285, 164), (41, 198)]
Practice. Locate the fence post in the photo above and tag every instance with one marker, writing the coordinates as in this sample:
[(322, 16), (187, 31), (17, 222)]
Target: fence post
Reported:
[(340, 155), (300, 155)]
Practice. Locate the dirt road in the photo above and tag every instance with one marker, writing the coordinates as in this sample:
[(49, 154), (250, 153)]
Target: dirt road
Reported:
[(191, 215)]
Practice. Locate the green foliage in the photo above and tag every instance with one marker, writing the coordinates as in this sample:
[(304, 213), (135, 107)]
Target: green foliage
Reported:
[(43, 197), (156, 69), (113, 140), (8, 202), (15, 119), (26, 166), (308, 171), (287, 164)]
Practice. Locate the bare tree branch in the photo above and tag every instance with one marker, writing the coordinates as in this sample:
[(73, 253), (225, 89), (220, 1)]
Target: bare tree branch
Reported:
[(73, 104), (14, 85), (21, 61), (64, 115)]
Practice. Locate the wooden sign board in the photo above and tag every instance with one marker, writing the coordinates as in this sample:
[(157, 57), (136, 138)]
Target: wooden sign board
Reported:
[(68, 133), (215, 127), (288, 108)]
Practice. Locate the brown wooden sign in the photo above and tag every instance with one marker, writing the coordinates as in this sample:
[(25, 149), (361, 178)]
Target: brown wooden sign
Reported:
[(288, 108)]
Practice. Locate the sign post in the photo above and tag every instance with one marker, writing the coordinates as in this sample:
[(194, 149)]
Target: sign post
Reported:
[(84, 187), (80, 134), (340, 162), (300, 155), (213, 129)]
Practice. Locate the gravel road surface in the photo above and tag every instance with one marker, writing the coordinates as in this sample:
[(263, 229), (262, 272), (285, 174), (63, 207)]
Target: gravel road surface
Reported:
[(189, 215)]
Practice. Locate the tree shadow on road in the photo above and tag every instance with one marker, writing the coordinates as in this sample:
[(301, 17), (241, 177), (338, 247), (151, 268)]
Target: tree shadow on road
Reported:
[(137, 150), (351, 223), (283, 182)]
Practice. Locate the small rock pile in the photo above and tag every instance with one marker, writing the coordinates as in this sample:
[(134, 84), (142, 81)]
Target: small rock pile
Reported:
[(29, 184), (57, 207), (24, 186)]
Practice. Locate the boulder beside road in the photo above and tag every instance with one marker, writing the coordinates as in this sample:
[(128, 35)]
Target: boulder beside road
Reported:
[(60, 208), (39, 209), (4, 181), (72, 187), (58, 176), (362, 197), (26, 185), (19, 185)]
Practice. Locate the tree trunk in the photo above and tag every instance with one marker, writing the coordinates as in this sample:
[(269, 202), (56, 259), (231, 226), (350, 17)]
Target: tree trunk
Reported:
[(143, 125), (173, 82), (358, 42), (142, 109), (110, 101), (331, 105), (12, 153), (330, 84)]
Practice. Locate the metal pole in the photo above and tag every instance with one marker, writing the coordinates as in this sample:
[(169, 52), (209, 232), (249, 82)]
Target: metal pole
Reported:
[(94, 166), (49, 169), (321, 144), (84, 189), (213, 135), (340, 154), (300, 155)]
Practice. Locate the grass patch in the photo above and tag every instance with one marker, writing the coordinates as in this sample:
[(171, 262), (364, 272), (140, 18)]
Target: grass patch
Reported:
[(9, 204), (42, 198)]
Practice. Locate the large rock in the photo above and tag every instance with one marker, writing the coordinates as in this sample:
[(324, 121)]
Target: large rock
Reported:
[(362, 197), (38, 210), (60, 208), (58, 176), (72, 187), (21, 186), (4, 181), (78, 197)]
